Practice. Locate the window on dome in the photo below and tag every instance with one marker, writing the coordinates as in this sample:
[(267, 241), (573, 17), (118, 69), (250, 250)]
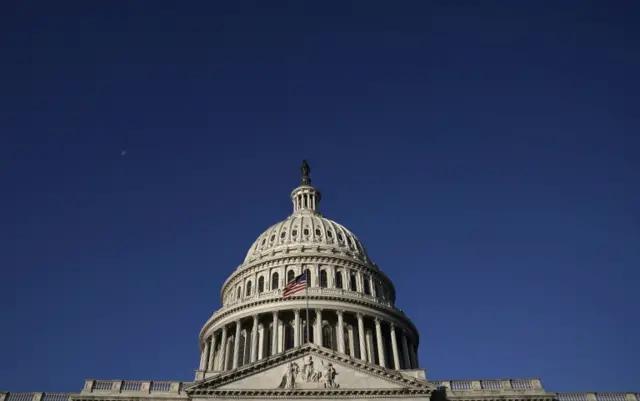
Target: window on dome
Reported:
[(290, 276), (238, 292), (318, 232), (329, 234), (323, 278), (353, 284), (294, 233), (273, 237), (266, 342), (367, 285), (247, 291), (288, 336), (275, 281), (345, 338), (260, 284), (327, 337), (263, 241), (340, 238), (304, 332), (338, 279), (305, 231), (283, 234)]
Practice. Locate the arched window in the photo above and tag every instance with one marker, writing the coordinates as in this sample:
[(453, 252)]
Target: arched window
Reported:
[(367, 285), (353, 286), (323, 278), (275, 280), (260, 284), (327, 337), (308, 274), (247, 292), (288, 336), (290, 275), (338, 279), (238, 292)]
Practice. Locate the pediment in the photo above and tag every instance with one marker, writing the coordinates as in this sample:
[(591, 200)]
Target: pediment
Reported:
[(310, 370)]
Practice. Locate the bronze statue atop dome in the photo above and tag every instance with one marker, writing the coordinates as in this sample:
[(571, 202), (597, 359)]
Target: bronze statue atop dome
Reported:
[(306, 170)]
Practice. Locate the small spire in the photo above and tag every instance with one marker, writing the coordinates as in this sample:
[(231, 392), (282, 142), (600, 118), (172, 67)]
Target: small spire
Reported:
[(305, 170)]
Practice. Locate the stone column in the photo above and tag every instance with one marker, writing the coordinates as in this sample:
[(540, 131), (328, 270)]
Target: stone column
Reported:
[(370, 354), (381, 357), (236, 345), (274, 334), (204, 356), (260, 342), (352, 343), (296, 328), (405, 352), (361, 340), (280, 335), (394, 347), (340, 334), (254, 339), (212, 352), (223, 349), (318, 327)]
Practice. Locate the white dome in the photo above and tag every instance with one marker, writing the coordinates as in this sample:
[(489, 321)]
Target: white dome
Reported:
[(307, 229)]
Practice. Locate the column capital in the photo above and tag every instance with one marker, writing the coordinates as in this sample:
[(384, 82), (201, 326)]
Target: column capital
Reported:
[(392, 325), (340, 312), (359, 315), (296, 311), (319, 310), (255, 318), (275, 313), (224, 329), (377, 321)]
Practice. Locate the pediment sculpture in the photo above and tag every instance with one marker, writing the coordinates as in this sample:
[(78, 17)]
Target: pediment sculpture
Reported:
[(308, 377)]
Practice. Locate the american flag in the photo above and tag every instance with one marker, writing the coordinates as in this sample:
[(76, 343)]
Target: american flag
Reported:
[(297, 284)]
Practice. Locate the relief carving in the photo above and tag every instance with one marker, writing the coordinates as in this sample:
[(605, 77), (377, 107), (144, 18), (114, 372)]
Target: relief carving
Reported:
[(309, 377)]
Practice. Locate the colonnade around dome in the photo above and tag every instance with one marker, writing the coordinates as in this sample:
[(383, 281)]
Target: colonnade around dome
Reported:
[(355, 334)]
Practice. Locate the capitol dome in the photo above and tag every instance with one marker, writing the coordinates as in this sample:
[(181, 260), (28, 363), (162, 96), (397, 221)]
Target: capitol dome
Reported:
[(306, 230), (347, 306)]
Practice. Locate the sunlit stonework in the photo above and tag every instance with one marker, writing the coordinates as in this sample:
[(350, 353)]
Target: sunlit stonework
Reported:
[(343, 337)]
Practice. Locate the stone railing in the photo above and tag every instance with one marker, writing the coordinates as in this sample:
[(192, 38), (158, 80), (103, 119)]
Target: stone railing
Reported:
[(34, 396), (598, 396), (486, 385), (130, 386)]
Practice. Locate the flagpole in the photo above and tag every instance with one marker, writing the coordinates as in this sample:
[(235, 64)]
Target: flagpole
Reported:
[(306, 292)]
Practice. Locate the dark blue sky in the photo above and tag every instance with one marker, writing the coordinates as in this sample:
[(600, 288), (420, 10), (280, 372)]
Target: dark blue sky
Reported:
[(485, 152)]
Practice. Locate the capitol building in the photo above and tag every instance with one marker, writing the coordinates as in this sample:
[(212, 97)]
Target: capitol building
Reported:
[(309, 315)]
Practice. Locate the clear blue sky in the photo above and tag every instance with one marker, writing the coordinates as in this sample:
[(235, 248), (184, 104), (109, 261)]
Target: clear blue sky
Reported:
[(485, 152)]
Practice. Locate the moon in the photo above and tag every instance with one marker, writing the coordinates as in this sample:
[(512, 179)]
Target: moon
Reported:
[(123, 152)]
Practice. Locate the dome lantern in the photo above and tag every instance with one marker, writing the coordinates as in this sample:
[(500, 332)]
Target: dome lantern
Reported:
[(305, 198)]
